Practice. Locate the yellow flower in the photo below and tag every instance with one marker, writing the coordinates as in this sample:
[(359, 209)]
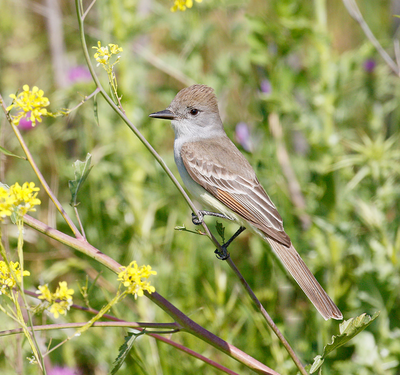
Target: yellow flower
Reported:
[(114, 49), (24, 197), (183, 4), (135, 279), (7, 203), (63, 293), (44, 293), (60, 301), (103, 54), (59, 308), (30, 103), (7, 280)]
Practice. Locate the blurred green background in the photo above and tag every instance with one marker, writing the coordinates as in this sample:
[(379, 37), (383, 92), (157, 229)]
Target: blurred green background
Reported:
[(309, 64)]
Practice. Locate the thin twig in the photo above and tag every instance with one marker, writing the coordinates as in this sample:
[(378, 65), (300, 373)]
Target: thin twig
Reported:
[(355, 13), (88, 9), (79, 222), (135, 325), (85, 99), (18, 314), (267, 317), (173, 327)]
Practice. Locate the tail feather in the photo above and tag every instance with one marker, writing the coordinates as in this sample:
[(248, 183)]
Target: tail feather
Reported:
[(306, 280)]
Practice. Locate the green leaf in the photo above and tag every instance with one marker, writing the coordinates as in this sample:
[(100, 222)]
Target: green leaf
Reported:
[(82, 170), (347, 330), (8, 153), (124, 351), (221, 230), (318, 361)]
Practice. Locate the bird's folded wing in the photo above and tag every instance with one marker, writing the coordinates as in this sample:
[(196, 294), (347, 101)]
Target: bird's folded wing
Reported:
[(217, 173), (217, 170)]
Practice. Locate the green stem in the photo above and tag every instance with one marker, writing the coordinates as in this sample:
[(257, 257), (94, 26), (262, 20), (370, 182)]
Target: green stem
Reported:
[(14, 297), (51, 327), (123, 116), (79, 222), (267, 317), (84, 100)]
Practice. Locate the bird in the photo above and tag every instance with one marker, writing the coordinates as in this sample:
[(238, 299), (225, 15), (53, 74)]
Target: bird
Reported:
[(217, 174)]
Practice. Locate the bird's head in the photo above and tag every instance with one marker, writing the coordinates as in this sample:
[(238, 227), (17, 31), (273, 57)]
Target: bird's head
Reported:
[(193, 113)]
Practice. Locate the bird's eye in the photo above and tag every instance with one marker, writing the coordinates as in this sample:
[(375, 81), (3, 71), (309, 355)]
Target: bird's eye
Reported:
[(194, 111)]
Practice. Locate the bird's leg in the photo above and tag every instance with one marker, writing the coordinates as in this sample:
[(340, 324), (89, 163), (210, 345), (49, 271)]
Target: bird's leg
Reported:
[(224, 254), (198, 220)]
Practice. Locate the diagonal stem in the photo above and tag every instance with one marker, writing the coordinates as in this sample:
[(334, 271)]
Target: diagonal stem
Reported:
[(355, 13), (39, 174), (134, 129), (267, 317)]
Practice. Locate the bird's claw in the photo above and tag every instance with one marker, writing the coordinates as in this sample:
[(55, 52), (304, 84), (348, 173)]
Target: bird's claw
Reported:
[(222, 254), (197, 220)]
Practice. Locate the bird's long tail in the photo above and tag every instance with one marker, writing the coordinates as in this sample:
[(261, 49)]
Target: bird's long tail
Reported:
[(306, 280)]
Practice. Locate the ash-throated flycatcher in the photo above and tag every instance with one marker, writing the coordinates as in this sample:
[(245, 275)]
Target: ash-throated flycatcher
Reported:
[(217, 174)]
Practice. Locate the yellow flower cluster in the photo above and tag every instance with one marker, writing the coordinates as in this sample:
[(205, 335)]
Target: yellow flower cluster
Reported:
[(31, 104), (7, 280), (135, 279), (58, 302), (18, 199), (183, 4), (104, 54)]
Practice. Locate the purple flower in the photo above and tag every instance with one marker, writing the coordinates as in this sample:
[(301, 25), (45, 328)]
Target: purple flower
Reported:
[(369, 65), (242, 134), (79, 74), (25, 123), (266, 86), (62, 371)]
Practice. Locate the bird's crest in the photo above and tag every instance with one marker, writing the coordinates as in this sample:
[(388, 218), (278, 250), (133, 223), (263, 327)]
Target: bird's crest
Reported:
[(196, 96)]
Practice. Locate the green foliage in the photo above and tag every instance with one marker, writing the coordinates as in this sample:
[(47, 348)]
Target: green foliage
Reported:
[(347, 330), (8, 153), (221, 230), (124, 350), (81, 171)]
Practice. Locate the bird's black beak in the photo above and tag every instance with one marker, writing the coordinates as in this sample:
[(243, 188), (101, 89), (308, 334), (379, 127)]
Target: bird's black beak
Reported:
[(166, 114)]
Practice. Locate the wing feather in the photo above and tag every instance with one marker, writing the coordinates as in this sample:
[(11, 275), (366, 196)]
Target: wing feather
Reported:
[(217, 169)]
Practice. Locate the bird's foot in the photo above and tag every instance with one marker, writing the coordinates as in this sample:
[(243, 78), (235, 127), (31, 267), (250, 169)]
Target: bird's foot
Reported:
[(197, 220), (222, 254)]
